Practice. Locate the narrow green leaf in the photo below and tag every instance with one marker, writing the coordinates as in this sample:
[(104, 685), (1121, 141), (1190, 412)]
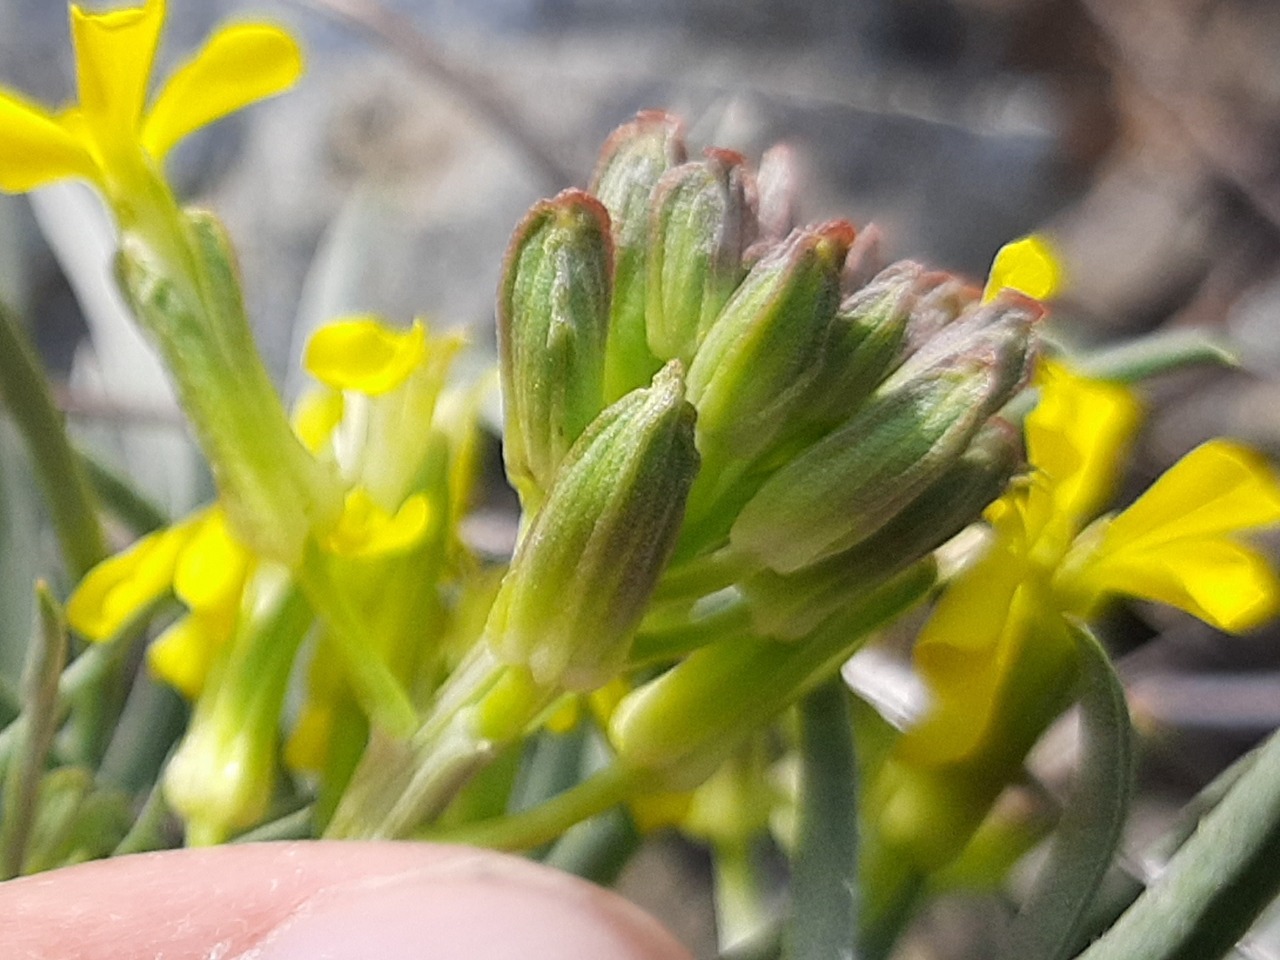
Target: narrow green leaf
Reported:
[(824, 898), (597, 849), (1217, 884), (24, 390), (47, 655), (1148, 356), (1089, 833), (121, 499)]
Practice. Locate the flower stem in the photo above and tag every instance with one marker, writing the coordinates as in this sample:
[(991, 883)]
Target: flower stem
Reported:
[(544, 823)]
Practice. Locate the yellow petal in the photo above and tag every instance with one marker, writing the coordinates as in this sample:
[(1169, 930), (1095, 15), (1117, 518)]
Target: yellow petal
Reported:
[(1030, 266), (240, 65), (963, 655), (307, 749), (212, 567), (1226, 584), (364, 355), (366, 530), (1077, 436), (317, 415), (1218, 488), (36, 149), (114, 54), (120, 587), (183, 654)]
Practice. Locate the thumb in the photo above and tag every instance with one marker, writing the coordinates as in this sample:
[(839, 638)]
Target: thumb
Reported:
[(323, 901)]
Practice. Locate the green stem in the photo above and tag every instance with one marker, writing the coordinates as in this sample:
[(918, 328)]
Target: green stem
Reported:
[(376, 688), (543, 824), (403, 783), (669, 638), (61, 473), (701, 575)]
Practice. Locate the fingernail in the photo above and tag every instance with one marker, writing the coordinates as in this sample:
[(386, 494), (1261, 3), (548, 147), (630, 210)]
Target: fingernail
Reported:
[(474, 909)]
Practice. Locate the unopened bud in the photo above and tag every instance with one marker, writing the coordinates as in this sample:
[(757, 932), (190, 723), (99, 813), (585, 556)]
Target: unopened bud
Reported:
[(633, 159), (864, 343), (754, 367), (701, 224), (789, 606), (849, 485), (1000, 327), (553, 316), (585, 568)]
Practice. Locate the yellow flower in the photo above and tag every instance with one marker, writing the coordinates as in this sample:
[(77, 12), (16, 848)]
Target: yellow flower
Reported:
[(112, 135), (997, 655), (1176, 544), (200, 562)]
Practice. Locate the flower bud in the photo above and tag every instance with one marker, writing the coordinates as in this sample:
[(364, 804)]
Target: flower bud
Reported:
[(865, 341), (585, 568), (631, 163), (850, 484), (789, 606), (553, 316), (752, 369), (700, 226), (1001, 326)]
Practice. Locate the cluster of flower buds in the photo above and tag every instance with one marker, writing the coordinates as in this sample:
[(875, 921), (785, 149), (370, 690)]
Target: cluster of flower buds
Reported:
[(701, 397)]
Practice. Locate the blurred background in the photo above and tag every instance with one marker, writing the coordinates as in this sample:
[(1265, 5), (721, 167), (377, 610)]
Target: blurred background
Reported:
[(1144, 137)]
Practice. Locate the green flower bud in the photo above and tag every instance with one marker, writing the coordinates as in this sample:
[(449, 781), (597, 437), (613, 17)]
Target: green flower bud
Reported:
[(679, 727), (1000, 329), (753, 368), (586, 566), (631, 163), (223, 774), (865, 341), (789, 606), (553, 316), (701, 225), (850, 484)]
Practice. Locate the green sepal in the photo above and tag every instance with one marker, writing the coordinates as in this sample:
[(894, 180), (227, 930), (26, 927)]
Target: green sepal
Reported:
[(631, 162), (849, 485), (788, 606), (553, 316), (701, 224), (600, 541), (275, 494), (864, 343), (752, 370)]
